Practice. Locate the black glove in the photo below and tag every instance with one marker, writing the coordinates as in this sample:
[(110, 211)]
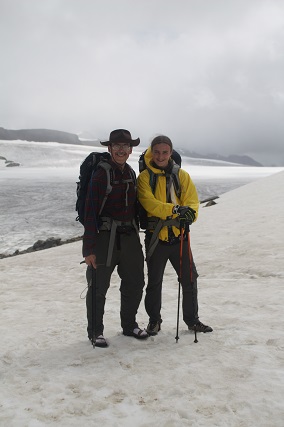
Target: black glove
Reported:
[(185, 213)]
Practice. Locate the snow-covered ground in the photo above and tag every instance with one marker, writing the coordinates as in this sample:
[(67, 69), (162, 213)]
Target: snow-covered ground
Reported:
[(38, 198), (233, 377)]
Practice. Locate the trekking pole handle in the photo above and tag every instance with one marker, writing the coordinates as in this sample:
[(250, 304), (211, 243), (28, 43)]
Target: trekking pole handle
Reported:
[(84, 262), (186, 227)]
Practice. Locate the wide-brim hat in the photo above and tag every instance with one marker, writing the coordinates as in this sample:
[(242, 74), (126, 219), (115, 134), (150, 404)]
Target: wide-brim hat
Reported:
[(121, 135)]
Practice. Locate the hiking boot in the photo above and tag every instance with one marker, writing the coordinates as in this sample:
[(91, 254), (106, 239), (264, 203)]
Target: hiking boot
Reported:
[(99, 341), (200, 327), (154, 327), (136, 333)]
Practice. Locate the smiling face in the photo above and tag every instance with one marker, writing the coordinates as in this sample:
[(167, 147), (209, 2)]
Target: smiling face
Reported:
[(161, 154), (120, 152)]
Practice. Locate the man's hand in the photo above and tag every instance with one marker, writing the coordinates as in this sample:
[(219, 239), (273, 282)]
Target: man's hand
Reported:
[(185, 213), (91, 260)]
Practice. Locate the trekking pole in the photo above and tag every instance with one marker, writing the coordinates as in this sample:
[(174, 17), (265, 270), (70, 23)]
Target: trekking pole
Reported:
[(191, 273), (94, 279), (91, 289), (180, 275)]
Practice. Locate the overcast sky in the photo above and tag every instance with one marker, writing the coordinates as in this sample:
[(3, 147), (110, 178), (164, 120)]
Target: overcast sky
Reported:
[(207, 73)]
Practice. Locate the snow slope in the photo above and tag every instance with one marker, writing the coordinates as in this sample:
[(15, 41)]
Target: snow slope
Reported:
[(233, 377)]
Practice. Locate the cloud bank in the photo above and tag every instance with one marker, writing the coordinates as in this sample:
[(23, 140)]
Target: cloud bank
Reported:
[(207, 74)]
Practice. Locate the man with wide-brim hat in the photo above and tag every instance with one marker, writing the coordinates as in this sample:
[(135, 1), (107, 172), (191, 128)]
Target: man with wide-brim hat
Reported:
[(120, 146), (111, 239), (121, 135)]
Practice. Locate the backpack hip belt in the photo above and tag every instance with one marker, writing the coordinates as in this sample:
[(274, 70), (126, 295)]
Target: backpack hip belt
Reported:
[(115, 226), (156, 225), (120, 225)]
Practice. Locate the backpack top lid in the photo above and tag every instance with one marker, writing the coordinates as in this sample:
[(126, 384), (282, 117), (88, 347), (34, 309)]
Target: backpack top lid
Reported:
[(91, 162), (176, 157)]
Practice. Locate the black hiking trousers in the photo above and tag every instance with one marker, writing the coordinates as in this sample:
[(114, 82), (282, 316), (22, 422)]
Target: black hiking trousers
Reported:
[(156, 267), (129, 259)]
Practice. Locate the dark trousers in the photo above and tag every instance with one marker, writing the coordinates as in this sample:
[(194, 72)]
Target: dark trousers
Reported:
[(129, 259), (156, 267)]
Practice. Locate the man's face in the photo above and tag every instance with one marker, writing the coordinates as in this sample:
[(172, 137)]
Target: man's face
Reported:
[(161, 154), (120, 152)]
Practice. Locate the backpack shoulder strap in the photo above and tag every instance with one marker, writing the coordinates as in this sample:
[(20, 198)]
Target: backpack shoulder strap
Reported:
[(175, 178), (127, 181), (109, 174), (153, 179), (133, 178)]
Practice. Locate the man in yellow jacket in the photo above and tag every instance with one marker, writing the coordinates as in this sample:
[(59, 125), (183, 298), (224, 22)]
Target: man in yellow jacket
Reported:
[(170, 199)]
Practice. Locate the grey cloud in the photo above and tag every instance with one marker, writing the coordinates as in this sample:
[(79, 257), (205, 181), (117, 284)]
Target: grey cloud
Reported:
[(207, 73)]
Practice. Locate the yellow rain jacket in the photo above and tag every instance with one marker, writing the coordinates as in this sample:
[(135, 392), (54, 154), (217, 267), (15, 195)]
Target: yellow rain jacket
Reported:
[(156, 204)]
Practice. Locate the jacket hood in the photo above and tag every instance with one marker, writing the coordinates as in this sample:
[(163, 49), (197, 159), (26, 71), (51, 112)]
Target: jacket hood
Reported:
[(148, 161)]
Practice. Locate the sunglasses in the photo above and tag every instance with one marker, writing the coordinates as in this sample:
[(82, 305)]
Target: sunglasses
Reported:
[(117, 147)]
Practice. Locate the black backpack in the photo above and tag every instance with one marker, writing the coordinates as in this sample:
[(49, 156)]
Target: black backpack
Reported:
[(174, 176), (87, 168), (92, 162)]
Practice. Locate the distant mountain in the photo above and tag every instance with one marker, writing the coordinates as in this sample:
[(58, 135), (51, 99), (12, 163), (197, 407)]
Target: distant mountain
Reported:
[(48, 135), (232, 158), (39, 135)]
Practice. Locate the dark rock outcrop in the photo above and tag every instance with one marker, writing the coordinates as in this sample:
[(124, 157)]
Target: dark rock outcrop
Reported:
[(211, 203), (40, 245), (10, 164), (209, 199)]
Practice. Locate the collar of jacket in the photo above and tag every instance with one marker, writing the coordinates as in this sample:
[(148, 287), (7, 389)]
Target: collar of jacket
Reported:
[(115, 166)]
